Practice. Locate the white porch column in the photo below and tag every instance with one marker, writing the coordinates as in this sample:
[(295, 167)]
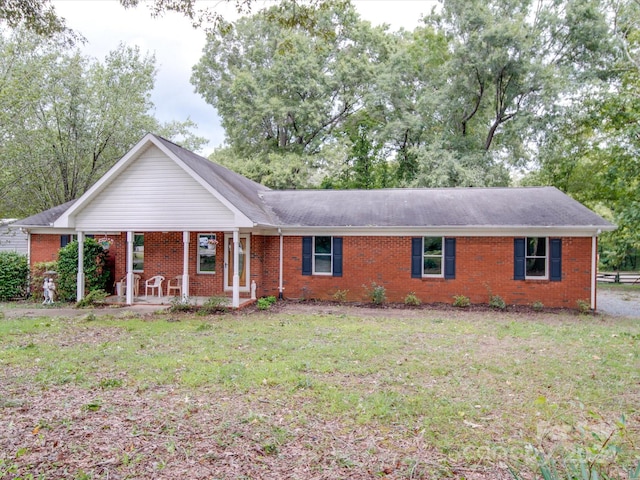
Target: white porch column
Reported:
[(235, 301), (129, 293), (185, 265), (594, 270), (80, 277), (280, 275)]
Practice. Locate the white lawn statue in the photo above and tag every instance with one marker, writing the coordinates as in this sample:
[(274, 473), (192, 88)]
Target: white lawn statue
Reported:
[(49, 290)]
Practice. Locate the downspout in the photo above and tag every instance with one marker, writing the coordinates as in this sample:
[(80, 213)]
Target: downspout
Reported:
[(29, 261), (280, 287), (80, 276), (594, 268)]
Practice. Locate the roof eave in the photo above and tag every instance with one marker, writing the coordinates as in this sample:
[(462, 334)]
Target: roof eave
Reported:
[(457, 230)]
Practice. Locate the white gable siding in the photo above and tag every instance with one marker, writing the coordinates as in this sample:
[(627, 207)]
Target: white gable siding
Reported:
[(12, 240), (154, 193)]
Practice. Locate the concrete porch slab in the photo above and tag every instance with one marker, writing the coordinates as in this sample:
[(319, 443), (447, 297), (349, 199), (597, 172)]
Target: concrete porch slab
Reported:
[(166, 300)]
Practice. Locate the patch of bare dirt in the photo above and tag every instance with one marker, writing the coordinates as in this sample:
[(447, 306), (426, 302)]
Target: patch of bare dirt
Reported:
[(400, 310), (68, 432)]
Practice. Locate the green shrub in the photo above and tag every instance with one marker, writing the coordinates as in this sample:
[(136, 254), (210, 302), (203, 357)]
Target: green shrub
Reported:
[(92, 299), (496, 301), (412, 299), (583, 306), (376, 293), (340, 295), (538, 306), (95, 272), (14, 275), (265, 303), (180, 304), (461, 301), (213, 305)]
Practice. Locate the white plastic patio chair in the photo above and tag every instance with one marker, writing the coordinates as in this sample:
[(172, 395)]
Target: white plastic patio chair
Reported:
[(153, 283), (175, 285)]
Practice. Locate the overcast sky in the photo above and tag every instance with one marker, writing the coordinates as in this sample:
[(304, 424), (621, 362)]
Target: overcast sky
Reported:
[(178, 47)]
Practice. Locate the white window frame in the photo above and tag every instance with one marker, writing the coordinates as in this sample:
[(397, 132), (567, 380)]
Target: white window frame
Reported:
[(313, 255), (441, 257), (214, 254), (138, 251), (546, 259)]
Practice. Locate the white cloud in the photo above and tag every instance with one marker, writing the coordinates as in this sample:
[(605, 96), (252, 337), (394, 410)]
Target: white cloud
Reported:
[(178, 47)]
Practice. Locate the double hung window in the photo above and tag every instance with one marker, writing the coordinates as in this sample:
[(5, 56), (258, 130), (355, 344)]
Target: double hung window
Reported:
[(138, 252), (322, 255), (537, 258), (433, 257), (207, 247)]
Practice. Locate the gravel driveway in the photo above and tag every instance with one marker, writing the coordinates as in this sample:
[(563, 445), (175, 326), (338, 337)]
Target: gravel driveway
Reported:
[(619, 303)]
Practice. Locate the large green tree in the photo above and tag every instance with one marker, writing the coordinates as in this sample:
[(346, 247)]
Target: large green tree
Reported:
[(591, 147), (66, 118), (510, 62), (283, 88)]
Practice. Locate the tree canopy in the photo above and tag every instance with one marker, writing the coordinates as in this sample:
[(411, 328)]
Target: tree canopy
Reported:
[(66, 118), (458, 101)]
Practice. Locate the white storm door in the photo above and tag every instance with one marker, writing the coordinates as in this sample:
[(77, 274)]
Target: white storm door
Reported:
[(243, 262)]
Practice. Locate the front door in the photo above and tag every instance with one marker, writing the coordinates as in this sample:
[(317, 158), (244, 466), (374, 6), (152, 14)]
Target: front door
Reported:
[(243, 262)]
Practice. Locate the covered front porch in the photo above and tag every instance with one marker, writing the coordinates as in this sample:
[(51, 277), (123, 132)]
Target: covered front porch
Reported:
[(186, 209), (160, 267)]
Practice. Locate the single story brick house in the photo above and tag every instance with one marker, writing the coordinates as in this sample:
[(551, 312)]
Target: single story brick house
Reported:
[(163, 210)]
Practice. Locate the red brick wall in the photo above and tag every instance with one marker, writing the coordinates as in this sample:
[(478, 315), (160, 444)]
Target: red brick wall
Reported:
[(484, 267), (44, 248), (163, 256)]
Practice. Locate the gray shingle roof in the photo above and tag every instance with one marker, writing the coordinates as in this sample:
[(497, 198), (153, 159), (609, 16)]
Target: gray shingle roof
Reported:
[(46, 218), (424, 207)]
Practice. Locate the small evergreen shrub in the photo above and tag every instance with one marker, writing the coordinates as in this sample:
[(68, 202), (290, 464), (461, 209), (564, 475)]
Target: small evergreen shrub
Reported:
[(496, 301), (93, 299), (376, 293), (265, 303), (14, 275), (180, 304), (213, 305), (461, 301), (412, 300), (340, 295), (583, 306), (538, 306)]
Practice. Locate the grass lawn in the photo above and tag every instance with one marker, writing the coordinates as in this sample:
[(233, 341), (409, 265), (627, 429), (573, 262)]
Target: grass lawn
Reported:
[(320, 391), (624, 287)]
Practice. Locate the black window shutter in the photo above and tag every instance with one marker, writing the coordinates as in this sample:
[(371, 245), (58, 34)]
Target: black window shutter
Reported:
[(416, 257), (307, 246), (450, 258), (519, 258), (337, 256), (65, 240), (556, 259)]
